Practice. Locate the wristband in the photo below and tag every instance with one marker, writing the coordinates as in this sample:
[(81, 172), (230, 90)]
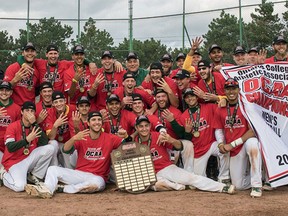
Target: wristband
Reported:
[(74, 80), (236, 142)]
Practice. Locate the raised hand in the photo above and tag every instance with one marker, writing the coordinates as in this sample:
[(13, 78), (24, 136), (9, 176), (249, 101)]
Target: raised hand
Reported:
[(199, 92), (262, 56), (3, 111), (196, 43), (118, 66), (98, 80), (81, 135), (76, 116), (31, 117), (35, 133), (164, 85), (93, 68), (188, 125), (61, 120), (169, 116), (80, 73), (42, 116)]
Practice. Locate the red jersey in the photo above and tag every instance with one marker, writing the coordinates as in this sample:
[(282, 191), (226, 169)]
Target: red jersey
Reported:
[(13, 114), (273, 59), (152, 86), (240, 126), (53, 74), (84, 83), (39, 107), (177, 114), (160, 156), (14, 133), (219, 85), (63, 130), (24, 90), (82, 126), (94, 155), (207, 133), (174, 72), (112, 82)]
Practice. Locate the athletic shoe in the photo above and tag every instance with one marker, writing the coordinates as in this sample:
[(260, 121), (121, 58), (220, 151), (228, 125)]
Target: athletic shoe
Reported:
[(229, 189), (227, 182), (267, 187), (60, 188), (31, 179), (256, 192), (2, 172), (38, 190)]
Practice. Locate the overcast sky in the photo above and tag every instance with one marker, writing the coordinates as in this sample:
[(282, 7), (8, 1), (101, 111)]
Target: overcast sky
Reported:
[(168, 30)]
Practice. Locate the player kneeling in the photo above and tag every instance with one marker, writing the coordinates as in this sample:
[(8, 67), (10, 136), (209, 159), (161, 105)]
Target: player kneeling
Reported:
[(167, 173), (93, 164)]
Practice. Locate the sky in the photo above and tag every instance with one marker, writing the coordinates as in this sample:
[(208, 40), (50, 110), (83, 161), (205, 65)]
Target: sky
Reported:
[(168, 30)]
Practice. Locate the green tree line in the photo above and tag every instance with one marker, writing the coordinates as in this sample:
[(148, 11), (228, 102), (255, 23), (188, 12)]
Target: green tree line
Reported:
[(265, 24)]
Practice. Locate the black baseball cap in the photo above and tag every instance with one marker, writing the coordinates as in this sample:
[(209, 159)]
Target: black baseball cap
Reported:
[(44, 85), (112, 97), (78, 49), (129, 75), (214, 46), (181, 74), (131, 55), (107, 53), (28, 105), (82, 100), (197, 52), (93, 114), (157, 91), (181, 56), (203, 63), (239, 49), (156, 66), (188, 91), (166, 56), (141, 118), (6, 85), (57, 95), (29, 45), (136, 97), (230, 82), (253, 49), (52, 47), (279, 39)]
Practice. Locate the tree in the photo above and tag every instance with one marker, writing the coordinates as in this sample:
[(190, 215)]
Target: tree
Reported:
[(7, 53), (223, 31), (148, 51), (94, 40), (285, 19), (45, 32)]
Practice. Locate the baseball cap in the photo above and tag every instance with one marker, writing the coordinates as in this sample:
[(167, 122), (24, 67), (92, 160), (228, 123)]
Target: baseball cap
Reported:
[(131, 55), (52, 47), (157, 91), (203, 63), (253, 49), (57, 95), (29, 45), (214, 46), (5, 84), (78, 49), (230, 82), (279, 39), (166, 56), (181, 74), (112, 97), (129, 75), (188, 91), (197, 52), (83, 99), (136, 97), (156, 66), (180, 56), (107, 53), (44, 85), (141, 118), (28, 105), (93, 114), (239, 49)]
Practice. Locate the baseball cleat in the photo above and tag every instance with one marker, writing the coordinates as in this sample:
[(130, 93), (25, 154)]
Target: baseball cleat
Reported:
[(229, 189), (32, 179), (256, 192), (267, 187), (38, 190)]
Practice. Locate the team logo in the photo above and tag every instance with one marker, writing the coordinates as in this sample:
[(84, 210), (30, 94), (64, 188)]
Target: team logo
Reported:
[(155, 154), (236, 124), (94, 154), (5, 121)]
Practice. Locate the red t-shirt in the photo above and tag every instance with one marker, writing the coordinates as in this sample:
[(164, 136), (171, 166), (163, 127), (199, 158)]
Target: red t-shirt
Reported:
[(219, 84), (160, 156), (152, 86), (14, 133), (99, 101), (39, 108), (273, 60), (24, 90), (94, 155), (13, 114), (240, 126), (207, 133), (82, 126)]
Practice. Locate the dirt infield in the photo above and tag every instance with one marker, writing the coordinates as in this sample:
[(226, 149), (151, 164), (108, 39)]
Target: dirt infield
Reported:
[(188, 202)]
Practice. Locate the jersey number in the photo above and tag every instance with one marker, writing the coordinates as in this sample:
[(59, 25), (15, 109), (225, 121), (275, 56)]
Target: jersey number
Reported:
[(282, 159)]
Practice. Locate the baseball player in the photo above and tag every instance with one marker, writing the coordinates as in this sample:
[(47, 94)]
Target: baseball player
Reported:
[(216, 56), (159, 81), (252, 56), (26, 151), (235, 137), (91, 173), (24, 79), (165, 170), (107, 80), (240, 56), (167, 63), (179, 62), (57, 127), (9, 112), (78, 78), (280, 48)]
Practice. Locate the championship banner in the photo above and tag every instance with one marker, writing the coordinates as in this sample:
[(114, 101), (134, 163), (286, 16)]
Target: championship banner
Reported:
[(264, 101)]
